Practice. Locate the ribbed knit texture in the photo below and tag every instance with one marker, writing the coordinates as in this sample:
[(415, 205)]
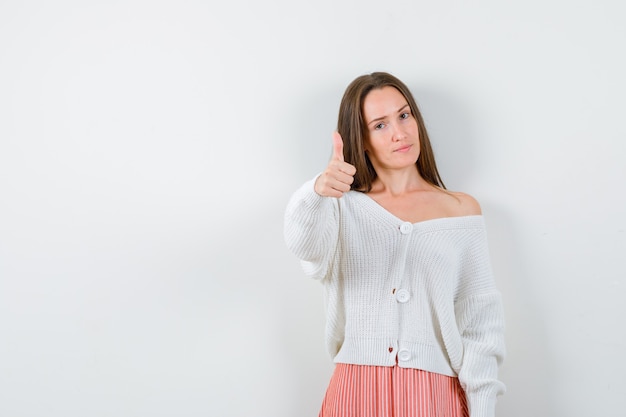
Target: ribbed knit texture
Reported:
[(422, 293)]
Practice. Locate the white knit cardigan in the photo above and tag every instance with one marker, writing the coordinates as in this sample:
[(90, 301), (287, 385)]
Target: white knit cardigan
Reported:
[(419, 293)]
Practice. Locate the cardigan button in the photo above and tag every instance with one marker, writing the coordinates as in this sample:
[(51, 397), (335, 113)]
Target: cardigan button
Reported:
[(406, 228), (404, 355), (402, 296)]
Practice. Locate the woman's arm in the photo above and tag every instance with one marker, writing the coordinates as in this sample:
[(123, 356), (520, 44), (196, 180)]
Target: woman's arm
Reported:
[(311, 229), (480, 320)]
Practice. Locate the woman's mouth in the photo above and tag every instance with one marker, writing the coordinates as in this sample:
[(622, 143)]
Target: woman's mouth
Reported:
[(403, 149)]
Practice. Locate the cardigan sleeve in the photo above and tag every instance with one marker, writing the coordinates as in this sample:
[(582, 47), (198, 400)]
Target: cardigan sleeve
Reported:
[(311, 229), (480, 320)]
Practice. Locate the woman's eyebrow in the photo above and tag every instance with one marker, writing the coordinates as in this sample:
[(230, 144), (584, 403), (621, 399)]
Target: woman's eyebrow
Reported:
[(383, 117)]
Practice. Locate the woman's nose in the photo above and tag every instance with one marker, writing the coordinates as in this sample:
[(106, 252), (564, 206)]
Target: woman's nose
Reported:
[(397, 133)]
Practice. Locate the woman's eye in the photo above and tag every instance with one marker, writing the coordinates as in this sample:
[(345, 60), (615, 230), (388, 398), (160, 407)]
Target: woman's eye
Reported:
[(379, 126), (405, 115)]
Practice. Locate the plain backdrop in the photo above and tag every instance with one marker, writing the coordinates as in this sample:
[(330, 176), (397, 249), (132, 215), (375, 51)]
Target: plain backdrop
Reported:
[(148, 150)]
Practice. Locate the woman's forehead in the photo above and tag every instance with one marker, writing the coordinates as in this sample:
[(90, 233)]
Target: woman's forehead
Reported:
[(383, 102)]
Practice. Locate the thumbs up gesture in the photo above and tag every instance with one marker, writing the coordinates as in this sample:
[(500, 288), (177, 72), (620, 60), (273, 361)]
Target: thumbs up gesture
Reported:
[(338, 175)]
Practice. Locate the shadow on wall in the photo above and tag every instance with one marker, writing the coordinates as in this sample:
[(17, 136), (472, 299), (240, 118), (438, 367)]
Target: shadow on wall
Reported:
[(451, 134), (528, 370)]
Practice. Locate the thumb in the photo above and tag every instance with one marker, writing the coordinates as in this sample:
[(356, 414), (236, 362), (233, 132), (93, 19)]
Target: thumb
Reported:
[(337, 147)]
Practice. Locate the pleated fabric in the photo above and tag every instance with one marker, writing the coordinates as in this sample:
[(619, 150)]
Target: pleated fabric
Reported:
[(381, 391)]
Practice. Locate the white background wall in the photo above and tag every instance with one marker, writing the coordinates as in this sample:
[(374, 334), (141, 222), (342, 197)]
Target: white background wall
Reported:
[(148, 149)]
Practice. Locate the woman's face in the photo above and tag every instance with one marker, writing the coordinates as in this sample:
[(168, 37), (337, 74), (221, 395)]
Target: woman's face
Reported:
[(393, 136)]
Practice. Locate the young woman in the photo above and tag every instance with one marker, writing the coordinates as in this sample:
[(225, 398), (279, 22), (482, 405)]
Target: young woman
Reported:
[(414, 321)]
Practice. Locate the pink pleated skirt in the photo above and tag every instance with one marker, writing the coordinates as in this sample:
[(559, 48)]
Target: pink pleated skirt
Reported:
[(381, 391)]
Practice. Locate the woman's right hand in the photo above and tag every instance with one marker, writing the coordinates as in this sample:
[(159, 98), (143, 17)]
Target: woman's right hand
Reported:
[(338, 175)]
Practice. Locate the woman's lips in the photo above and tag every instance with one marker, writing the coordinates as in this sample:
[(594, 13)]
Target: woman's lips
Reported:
[(404, 148)]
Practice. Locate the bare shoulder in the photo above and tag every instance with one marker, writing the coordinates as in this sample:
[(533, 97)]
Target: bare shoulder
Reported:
[(466, 205)]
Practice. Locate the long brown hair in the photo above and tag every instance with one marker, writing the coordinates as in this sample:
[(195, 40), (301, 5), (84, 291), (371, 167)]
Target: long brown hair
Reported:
[(351, 126)]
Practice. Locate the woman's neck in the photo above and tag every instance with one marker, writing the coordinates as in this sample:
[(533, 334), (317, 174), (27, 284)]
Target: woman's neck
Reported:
[(399, 182)]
